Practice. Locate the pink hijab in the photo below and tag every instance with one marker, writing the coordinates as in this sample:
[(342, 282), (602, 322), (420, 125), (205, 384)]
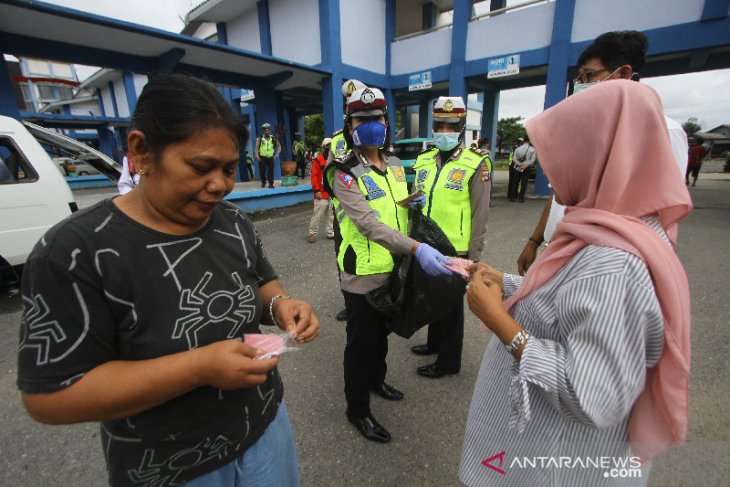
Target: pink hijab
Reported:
[(607, 154)]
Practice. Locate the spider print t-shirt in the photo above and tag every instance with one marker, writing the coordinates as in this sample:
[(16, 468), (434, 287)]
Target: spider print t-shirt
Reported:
[(99, 287)]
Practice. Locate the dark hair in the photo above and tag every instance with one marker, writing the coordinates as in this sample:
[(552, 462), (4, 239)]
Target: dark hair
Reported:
[(618, 48), (482, 141), (348, 137), (174, 107)]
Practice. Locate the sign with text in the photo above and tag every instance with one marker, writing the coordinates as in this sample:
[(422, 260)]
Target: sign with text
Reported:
[(503, 66), (419, 81), (247, 95)]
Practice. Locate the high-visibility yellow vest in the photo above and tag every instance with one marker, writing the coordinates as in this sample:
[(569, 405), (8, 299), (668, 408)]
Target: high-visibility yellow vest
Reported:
[(266, 146), (357, 254), (447, 189)]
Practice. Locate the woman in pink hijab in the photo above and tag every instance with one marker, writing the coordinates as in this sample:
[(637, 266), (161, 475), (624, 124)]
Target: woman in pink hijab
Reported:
[(587, 379)]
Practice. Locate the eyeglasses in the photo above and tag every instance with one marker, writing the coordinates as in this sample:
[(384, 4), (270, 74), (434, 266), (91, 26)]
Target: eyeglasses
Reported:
[(590, 76)]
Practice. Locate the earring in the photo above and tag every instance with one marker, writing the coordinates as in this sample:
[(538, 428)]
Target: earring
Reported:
[(141, 172)]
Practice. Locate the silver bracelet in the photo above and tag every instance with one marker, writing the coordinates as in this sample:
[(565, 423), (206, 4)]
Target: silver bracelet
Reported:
[(518, 340), (271, 307)]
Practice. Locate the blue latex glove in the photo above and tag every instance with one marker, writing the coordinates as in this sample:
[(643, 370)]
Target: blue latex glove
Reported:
[(432, 260), (418, 202)]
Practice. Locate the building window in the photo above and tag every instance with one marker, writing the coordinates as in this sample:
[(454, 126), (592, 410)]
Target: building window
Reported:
[(27, 97)]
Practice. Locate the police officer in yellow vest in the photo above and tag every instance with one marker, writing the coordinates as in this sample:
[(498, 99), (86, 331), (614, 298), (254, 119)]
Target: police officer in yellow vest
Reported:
[(339, 145), (267, 147), (456, 184), (299, 151), (366, 185)]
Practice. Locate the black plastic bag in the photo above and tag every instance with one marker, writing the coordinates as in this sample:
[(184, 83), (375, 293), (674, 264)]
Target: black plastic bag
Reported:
[(412, 299)]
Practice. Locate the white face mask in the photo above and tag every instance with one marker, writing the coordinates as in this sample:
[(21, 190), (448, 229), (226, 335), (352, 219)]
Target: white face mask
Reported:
[(445, 141), (582, 86)]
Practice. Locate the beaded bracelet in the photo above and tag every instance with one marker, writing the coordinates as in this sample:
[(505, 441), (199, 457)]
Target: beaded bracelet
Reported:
[(271, 307)]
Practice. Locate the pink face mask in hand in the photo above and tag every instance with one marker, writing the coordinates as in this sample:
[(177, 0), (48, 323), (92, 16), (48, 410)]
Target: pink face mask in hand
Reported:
[(459, 266), (272, 344)]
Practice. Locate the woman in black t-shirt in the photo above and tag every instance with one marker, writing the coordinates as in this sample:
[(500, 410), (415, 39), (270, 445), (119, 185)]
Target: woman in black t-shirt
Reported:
[(136, 309)]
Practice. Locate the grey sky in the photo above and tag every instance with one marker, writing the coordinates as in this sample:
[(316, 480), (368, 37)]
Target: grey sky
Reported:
[(702, 95)]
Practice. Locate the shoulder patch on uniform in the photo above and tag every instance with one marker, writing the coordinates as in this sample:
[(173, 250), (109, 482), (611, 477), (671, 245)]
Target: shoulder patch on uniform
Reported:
[(347, 179), (486, 174)]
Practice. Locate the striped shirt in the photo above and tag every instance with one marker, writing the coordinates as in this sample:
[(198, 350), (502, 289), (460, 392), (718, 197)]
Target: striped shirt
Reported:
[(559, 417)]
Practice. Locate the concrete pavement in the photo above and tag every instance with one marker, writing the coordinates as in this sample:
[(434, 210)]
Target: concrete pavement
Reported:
[(427, 426)]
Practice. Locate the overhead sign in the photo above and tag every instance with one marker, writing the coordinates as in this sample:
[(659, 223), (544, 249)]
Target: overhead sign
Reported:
[(419, 81), (503, 66), (247, 95)]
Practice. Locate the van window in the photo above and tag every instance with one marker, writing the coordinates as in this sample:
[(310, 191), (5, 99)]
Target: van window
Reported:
[(14, 167)]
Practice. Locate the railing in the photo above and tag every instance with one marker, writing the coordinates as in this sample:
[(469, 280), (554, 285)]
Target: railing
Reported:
[(507, 9)]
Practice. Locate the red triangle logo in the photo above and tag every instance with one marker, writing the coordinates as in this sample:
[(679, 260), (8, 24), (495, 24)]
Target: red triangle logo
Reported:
[(488, 462)]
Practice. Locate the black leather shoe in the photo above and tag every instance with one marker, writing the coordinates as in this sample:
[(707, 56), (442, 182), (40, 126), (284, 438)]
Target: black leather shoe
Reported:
[(422, 350), (342, 315), (370, 428), (386, 391), (432, 371)]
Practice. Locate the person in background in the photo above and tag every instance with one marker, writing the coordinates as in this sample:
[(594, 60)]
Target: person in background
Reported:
[(512, 181), (364, 184), (456, 185), (522, 160), (338, 147), (249, 166), (149, 297), (267, 148), (129, 178), (697, 154), (339, 144), (612, 56), (298, 150), (322, 203), (591, 350)]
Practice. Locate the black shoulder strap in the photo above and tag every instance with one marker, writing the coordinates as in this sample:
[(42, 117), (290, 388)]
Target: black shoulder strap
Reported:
[(345, 163)]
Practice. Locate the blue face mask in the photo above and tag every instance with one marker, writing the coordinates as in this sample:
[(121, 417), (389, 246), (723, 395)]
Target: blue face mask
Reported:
[(371, 133), (445, 141)]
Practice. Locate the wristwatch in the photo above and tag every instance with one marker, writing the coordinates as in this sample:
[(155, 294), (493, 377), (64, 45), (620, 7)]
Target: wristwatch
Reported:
[(519, 340)]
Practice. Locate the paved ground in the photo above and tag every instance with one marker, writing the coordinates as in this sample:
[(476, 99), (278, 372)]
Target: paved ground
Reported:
[(427, 427)]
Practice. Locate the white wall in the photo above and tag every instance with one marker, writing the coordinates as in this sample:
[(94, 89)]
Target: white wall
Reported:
[(362, 28), (295, 30), (139, 81), (421, 53), (514, 31), (243, 31), (121, 96), (594, 17), (106, 100), (83, 109)]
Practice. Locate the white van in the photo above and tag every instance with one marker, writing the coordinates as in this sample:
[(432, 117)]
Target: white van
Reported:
[(33, 193)]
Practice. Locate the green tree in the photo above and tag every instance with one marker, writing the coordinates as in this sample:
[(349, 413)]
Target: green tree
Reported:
[(508, 131), (691, 126), (314, 130)]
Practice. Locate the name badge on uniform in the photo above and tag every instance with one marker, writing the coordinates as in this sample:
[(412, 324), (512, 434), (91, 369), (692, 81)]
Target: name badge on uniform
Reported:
[(398, 174), (374, 191), (455, 179)]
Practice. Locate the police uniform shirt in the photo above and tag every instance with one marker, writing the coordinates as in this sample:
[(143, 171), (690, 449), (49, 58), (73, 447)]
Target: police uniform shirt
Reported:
[(366, 221)]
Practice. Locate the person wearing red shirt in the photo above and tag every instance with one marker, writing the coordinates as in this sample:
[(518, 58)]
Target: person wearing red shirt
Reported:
[(697, 154), (322, 202)]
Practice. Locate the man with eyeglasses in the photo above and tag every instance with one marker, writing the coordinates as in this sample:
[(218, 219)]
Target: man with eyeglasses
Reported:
[(612, 56)]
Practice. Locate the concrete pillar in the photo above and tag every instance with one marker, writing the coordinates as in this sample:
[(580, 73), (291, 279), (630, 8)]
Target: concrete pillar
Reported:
[(558, 64), (425, 117), (490, 117), (457, 80)]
